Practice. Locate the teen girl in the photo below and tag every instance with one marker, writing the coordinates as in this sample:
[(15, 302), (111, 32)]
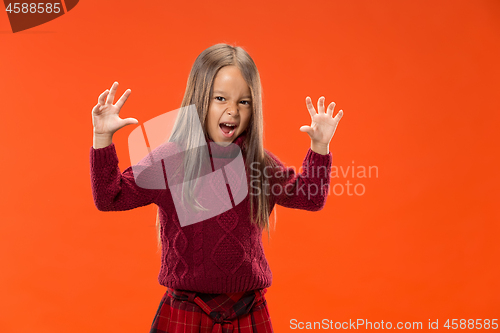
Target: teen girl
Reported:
[(215, 271)]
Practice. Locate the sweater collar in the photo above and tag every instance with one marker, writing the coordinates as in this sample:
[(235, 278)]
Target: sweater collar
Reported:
[(221, 151), (240, 141)]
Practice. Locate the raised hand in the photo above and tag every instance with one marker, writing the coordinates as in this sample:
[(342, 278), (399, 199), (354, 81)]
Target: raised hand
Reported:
[(105, 115), (323, 125)]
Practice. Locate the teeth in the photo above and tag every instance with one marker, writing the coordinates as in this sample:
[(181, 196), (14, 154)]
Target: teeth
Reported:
[(230, 125)]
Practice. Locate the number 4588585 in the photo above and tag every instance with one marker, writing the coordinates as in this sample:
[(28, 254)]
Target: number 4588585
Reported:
[(471, 324), (41, 7)]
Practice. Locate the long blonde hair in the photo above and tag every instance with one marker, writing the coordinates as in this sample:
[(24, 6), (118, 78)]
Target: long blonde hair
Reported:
[(199, 92)]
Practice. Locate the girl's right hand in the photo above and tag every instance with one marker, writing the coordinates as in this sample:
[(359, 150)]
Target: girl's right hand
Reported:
[(105, 116)]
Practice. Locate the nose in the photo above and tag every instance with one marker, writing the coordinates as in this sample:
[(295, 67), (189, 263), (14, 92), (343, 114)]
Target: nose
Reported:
[(233, 109)]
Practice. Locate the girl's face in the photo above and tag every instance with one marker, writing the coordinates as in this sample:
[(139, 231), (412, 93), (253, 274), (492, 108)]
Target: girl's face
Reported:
[(231, 104)]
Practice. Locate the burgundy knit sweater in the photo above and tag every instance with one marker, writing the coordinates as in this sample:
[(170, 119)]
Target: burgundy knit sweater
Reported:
[(223, 254)]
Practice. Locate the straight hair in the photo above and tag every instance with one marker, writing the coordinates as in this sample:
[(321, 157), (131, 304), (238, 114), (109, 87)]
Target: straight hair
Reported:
[(199, 91)]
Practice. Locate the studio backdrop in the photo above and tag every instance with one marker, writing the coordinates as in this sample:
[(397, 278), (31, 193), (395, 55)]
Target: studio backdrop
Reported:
[(409, 234)]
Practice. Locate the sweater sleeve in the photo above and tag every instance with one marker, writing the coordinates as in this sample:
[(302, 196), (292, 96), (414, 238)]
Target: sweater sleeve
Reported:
[(116, 191), (306, 188)]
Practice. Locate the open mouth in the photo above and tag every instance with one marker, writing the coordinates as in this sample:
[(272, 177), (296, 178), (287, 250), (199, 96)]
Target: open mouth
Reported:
[(227, 128)]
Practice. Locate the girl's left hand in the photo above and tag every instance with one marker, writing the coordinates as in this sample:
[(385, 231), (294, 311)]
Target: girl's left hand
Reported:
[(323, 123)]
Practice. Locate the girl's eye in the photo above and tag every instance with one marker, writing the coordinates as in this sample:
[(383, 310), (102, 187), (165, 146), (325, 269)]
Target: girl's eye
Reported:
[(245, 102)]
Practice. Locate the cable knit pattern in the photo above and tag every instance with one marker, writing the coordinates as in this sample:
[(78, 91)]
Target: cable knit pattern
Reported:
[(223, 254)]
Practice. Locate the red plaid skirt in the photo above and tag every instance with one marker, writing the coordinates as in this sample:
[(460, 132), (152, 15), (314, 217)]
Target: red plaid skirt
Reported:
[(182, 311)]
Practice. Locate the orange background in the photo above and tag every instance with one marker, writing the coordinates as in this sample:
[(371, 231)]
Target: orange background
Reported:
[(418, 82)]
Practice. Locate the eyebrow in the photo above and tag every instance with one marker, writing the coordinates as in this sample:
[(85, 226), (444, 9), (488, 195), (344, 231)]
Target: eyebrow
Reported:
[(221, 92)]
